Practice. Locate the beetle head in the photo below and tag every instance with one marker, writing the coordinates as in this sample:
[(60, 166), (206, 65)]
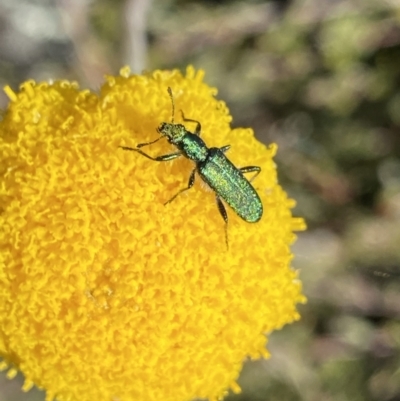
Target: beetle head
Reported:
[(173, 132)]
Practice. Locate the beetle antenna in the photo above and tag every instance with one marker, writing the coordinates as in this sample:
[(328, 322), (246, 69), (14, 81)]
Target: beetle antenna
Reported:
[(173, 104)]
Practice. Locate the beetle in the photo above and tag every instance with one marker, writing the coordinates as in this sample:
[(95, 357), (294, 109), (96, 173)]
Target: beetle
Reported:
[(216, 170)]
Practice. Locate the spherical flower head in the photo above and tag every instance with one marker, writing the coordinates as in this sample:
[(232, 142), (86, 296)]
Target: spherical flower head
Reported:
[(107, 294)]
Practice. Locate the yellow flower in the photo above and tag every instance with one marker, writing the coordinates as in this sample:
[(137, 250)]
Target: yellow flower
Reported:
[(107, 294)]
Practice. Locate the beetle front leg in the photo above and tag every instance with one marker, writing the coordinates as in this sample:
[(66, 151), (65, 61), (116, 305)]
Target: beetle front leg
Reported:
[(197, 131), (190, 184), (140, 145), (162, 158)]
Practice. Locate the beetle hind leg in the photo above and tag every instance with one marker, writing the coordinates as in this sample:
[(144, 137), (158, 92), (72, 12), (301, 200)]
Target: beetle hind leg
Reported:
[(251, 169), (224, 215)]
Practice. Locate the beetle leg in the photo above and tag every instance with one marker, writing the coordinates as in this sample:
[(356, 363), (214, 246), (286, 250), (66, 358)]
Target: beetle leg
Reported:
[(250, 169), (162, 158), (140, 145), (197, 131), (225, 148), (190, 184), (224, 215)]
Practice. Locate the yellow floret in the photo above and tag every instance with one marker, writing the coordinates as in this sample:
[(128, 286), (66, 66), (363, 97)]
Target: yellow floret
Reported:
[(105, 293)]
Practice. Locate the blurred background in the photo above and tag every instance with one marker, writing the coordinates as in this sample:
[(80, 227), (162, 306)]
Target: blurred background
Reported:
[(321, 78)]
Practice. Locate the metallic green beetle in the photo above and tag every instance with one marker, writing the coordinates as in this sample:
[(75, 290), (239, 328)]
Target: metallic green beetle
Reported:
[(216, 170)]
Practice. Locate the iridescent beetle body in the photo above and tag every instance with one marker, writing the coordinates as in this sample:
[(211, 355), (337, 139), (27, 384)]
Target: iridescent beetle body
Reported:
[(216, 170)]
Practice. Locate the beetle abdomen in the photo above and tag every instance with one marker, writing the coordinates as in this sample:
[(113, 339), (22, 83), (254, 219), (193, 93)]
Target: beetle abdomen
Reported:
[(231, 185)]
